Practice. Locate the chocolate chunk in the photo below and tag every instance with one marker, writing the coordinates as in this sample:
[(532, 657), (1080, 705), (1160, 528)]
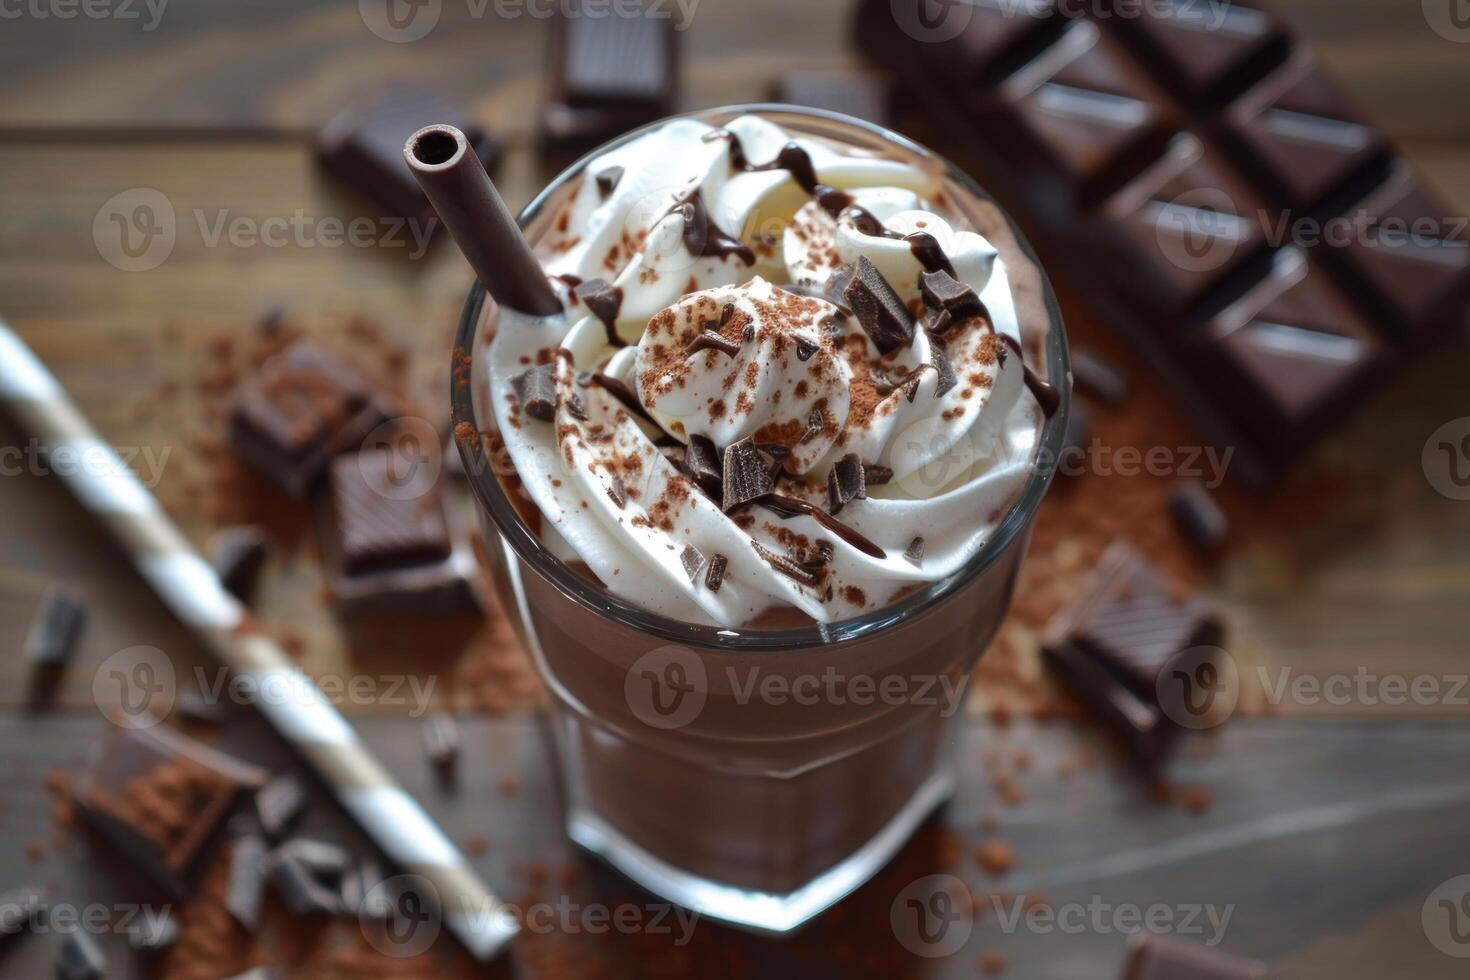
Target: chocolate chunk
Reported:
[(805, 349), (852, 92), (1111, 647), (363, 148), (704, 461), (55, 630), (846, 482), (441, 739), (915, 551), (877, 475), (745, 475), (535, 389), (608, 180), (302, 408), (709, 340), (815, 423), (388, 541), (245, 884), (714, 577), (299, 889), (18, 909), (786, 566), (604, 301), (879, 310), (160, 798), (1199, 516), (575, 408), (948, 380), (1153, 957), (1099, 377), (80, 958), (943, 292), (692, 561), (617, 491), (279, 803), (239, 554), (835, 289), (154, 930)]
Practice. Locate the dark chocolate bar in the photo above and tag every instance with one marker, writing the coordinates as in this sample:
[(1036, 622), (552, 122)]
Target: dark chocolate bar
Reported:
[(363, 148), (609, 73), (863, 94), (389, 543), (160, 797), (1194, 173), (302, 408), (1113, 647), (1154, 957)]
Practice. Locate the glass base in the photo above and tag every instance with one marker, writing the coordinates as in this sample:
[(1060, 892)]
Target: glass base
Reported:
[(764, 912)]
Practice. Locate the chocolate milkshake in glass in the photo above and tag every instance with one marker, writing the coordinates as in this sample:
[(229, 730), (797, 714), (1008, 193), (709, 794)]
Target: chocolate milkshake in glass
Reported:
[(757, 497)]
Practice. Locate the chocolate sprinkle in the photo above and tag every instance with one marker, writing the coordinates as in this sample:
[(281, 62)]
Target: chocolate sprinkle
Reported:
[(618, 492), (845, 482), (877, 475), (746, 476), (942, 292), (605, 301), (915, 552), (537, 393), (703, 460), (608, 180), (715, 577), (692, 561), (879, 310), (709, 340)]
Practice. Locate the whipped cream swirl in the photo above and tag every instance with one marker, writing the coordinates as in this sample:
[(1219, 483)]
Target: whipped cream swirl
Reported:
[(703, 273)]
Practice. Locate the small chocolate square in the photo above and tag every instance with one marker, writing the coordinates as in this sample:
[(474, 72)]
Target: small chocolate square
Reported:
[(299, 410), (389, 543), (363, 147), (966, 43), (1205, 42)]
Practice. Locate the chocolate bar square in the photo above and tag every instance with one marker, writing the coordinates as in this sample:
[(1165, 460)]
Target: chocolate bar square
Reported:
[(1411, 249), (1188, 221), (363, 148), (302, 408), (1085, 107), (1307, 132), (160, 797), (388, 540), (966, 42), (1158, 958), (1204, 42), (609, 73), (1291, 351)]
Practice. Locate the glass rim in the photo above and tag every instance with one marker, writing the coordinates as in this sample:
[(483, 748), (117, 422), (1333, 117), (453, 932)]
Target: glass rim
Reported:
[(528, 546)]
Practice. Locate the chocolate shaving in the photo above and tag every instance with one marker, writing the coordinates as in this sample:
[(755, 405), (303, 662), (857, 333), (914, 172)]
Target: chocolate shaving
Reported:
[(793, 506), (814, 423), (622, 393), (608, 180), (692, 561), (947, 378), (786, 566), (845, 482), (605, 301), (879, 310), (877, 475), (804, 349), (575, 408), (703, 460), (746, 476), (709, 340), (944, 293), (618, 492), (835, 291), (715, 576), (536, 392), (915, 551)]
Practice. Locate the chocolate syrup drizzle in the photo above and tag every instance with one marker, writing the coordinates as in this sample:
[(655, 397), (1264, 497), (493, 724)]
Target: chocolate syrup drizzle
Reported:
[(1044, 392), (702, 237), (791, 506)]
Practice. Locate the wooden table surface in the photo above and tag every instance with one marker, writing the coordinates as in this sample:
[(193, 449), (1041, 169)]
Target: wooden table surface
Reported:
[(1332, 822)]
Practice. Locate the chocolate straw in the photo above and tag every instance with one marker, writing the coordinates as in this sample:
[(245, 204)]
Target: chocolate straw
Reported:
[(193, 592), (462, 193)]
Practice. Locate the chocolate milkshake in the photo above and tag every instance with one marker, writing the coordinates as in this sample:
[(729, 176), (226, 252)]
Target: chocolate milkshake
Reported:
[(757, 494)]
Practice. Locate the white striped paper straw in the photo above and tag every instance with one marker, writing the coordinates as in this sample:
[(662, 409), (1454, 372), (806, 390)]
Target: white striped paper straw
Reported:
[(189, 586)]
